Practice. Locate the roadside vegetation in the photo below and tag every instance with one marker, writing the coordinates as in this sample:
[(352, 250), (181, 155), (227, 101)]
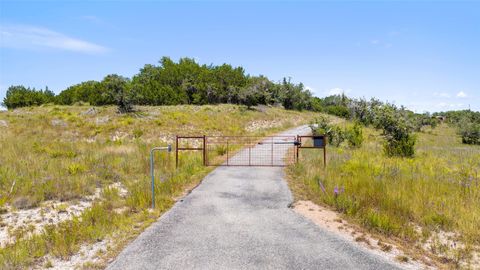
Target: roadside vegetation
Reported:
[(54, 158), (427, 201)]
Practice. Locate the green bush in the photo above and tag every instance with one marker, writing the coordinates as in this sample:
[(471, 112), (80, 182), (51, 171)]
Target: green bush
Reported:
[(470, 133), (354, 135), (399, 141), (322, 126)]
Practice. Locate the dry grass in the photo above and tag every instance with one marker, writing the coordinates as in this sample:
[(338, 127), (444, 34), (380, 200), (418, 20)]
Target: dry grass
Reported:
[(434, 194), (67, 153)]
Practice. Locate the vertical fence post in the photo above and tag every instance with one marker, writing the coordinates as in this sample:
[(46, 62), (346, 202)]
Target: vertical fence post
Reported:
[(176, 151), (204, 150), (325, 151), (152, 173), (298, 146), (227, 151)]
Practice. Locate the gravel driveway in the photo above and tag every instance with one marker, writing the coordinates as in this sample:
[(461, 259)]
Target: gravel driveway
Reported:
[(238, 218)]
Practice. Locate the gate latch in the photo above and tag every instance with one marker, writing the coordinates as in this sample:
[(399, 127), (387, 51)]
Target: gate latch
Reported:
[(297, 143)]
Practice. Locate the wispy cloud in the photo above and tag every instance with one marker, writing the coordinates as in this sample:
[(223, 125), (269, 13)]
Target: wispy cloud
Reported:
[(449, 105), (385, 40), (33, 37), (461, 94)]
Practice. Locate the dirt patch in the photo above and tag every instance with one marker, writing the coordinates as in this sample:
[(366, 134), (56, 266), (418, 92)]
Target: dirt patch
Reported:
[(262, 125), (24, 222), (32, 221), (88, 257), (120, 149), (333, 222)]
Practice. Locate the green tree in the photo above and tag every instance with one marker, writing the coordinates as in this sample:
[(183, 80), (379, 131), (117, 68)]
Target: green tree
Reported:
[(118, 89)]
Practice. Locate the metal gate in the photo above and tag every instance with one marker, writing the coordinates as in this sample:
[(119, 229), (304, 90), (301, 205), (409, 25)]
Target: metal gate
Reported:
[(250, 150), (276, 151)]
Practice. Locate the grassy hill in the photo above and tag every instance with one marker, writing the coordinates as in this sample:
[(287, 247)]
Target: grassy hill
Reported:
[(429, 203), (82, 173)]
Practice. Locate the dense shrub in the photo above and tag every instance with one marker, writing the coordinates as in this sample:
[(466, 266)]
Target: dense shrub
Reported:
[(399, 141), (91, 92), (470, 133), (20, 96), (354, 135)]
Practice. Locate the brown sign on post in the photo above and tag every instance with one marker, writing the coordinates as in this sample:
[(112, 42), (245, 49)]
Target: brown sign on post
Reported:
[(313, 142)]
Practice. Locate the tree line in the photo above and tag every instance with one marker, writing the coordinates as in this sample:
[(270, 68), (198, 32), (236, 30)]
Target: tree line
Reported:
[(188, 82), (399, 124), (172, 83)]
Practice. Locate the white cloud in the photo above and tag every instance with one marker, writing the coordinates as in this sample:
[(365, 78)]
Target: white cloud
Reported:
[(441, 94), (32, 37), (309, 88), (375, 41), (337, 91), (461, 94)]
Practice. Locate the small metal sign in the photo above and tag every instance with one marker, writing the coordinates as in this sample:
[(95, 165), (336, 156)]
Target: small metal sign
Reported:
[(318, 142)]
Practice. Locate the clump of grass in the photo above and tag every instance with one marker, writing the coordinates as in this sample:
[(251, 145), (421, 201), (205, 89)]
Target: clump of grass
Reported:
[(75, 168), (402, 258), (48, 264), (437, 190), (24, 202)]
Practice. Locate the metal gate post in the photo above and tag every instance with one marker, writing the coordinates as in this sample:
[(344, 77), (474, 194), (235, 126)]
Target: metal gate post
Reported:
[(227, 151), (296, 147), (325, 138), (176, 151), (152, 171), (204, 151)]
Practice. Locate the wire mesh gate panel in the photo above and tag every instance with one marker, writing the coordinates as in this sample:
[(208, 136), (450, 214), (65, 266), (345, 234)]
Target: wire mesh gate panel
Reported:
[(249, 150)]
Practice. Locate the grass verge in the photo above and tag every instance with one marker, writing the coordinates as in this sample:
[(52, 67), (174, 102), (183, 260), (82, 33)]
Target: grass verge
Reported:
[(429, 202)]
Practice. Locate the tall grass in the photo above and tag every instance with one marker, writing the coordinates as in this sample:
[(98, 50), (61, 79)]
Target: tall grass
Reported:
[(61, 153), (437, 190)]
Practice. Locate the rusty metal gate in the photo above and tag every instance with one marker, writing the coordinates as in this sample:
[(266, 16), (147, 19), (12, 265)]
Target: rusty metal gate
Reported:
[(276, 151), (249, 150)]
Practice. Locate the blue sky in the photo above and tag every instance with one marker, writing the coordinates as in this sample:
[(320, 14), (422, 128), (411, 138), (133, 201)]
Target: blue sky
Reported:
[(424, 55)]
